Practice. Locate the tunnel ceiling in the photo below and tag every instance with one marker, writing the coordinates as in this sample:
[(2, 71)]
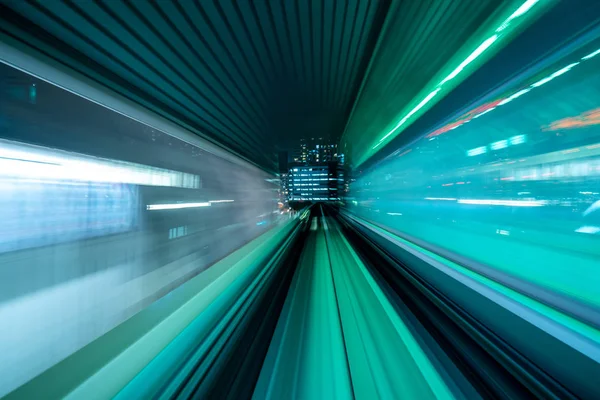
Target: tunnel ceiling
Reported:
[(247, 74), (255, 75)]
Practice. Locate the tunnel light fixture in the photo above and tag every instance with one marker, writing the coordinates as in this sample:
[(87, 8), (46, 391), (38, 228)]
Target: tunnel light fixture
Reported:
[(501, 144), (554, 75), (477, 151), (175, 206), (519, 139), (220, 201)]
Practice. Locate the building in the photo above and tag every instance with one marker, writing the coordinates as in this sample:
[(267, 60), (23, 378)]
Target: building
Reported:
[(284, 189), (315, 172), (315, 151), (315, 182)]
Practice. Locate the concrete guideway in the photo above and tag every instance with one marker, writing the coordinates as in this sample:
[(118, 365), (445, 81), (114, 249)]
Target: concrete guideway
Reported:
[(339, 336)]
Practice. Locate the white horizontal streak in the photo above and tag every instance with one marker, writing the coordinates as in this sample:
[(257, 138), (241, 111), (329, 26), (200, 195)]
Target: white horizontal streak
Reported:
[(153, 207)]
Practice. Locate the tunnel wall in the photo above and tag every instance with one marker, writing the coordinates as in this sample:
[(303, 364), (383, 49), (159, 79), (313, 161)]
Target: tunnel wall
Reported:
[(100, 216), (510, 186)]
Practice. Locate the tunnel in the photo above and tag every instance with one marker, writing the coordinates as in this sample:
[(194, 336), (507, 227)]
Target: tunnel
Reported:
[(299, 199)]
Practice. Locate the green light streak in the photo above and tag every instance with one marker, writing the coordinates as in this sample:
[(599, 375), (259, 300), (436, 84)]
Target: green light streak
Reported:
[(504, 27), (522, 92), (478, 51), (571, 323), (410, 114), (472, 57), (520, 11)]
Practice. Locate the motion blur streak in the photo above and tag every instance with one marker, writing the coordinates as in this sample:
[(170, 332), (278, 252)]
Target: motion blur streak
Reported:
[(297, 199), (176, 206), (21, 161), (83, 245), (588, 118), (543, 183)]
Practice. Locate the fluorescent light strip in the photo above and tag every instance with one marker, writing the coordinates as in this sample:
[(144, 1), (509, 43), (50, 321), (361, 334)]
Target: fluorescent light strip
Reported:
[(509, 203), (441, 198), (176, 206), (477, 151), (501, 144), (220, 201)]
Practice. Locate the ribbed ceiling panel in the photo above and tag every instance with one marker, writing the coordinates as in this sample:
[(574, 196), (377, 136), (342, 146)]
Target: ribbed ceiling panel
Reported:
[(246, 74)]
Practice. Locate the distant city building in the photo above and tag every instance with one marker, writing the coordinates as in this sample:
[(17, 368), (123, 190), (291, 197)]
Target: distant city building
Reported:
[(284, 189), (315, 151), (315, 172), (315, 182)]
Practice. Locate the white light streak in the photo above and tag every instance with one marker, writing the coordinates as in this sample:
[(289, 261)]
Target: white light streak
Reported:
[(554, 75), (514, 96), (441, 198), (594, 54), (508, 203), (478, 51), (588, 229), (18, 160), (220, 201), (484, 112), (520, 11), (592, 208), (175, 206), (394, 213)]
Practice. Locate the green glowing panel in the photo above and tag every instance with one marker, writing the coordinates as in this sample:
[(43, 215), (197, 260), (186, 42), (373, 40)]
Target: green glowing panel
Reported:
[(409, 73), (512, 185)]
